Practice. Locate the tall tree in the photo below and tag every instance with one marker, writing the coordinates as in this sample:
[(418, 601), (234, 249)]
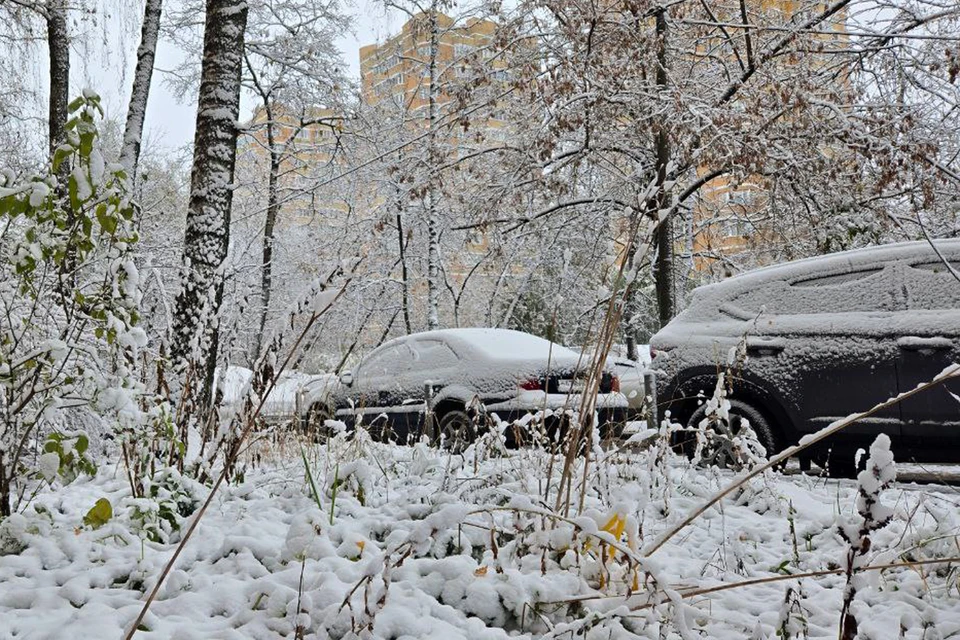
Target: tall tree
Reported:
[(295, 72), (58, 41), (137, 109), (195, 332), (18, 21)]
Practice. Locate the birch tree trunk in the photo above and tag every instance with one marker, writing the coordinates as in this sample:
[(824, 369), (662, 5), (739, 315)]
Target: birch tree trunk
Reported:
[(433, 223), (195, 333), (137, 109), (58, 46), (58, 42), (404, 273)]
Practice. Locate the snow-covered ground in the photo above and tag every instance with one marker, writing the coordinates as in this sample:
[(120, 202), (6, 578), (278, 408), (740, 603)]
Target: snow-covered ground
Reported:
[(415, 543)]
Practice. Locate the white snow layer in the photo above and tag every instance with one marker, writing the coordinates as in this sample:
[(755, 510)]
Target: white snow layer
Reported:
[(425, 545)]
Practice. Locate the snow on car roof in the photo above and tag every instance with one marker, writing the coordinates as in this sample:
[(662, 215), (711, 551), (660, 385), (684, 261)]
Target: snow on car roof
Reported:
[(501, 344), (840, 262)]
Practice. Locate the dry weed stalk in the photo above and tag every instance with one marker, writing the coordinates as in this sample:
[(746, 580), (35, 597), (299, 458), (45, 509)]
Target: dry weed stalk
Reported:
[(248, 419), (582, 436)]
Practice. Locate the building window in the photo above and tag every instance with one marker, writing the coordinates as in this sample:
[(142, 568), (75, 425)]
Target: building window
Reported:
[(733, 228)]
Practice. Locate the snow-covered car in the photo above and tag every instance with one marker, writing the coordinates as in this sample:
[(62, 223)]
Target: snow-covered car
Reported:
[(631, 374), (453, 372), (284, 401), (824, 338)]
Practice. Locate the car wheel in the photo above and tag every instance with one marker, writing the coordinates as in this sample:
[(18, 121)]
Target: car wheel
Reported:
[(721, 451), (315, 425), (456, 431)]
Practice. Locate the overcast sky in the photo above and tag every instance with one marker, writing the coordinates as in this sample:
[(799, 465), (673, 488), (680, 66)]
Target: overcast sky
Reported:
[(170, 123)]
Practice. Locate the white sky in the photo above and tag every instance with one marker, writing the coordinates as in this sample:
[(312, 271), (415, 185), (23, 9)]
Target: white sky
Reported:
[(107, 61)]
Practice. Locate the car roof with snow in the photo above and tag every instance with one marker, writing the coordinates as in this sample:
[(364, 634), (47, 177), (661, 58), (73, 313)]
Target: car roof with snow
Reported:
[(494, 344), (836, 263)]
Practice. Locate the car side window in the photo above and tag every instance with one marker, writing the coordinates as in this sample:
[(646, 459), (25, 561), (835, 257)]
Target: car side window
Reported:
[(856, 291), (434, 354), (932, 286), (389, 362)]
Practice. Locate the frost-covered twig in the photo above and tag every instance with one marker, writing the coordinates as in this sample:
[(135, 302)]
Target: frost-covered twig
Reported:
[(881, 471)]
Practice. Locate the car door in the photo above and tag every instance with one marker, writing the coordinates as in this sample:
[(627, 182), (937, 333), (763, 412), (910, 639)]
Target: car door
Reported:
[(930, 342), (825, 341), (380, 387)]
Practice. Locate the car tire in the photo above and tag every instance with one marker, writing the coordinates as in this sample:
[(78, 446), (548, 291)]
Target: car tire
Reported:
[(739, 410), (455, 431)]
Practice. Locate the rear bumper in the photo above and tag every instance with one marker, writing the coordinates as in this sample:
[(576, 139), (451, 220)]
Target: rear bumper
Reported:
[(532, 402), (612, 410)]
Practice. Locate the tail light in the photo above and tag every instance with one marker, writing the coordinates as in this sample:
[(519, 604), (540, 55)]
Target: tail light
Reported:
[(533, 384), (614, 384)]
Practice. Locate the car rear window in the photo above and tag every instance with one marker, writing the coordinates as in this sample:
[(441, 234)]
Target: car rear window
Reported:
[(866, 290), (932, 286)]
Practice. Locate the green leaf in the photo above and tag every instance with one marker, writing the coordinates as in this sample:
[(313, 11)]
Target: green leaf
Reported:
[(82, 443), (313, 486), (99, 515), (75, 104), (61, 154), (86, 143), (74, 196), (107, 222)]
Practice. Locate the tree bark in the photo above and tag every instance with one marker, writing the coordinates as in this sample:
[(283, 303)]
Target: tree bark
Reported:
[(273, 210), (663, 234), (137, 109), (58, 42), (405, 288), (433, 224), (195, 333), (629, 303), (4, 488)]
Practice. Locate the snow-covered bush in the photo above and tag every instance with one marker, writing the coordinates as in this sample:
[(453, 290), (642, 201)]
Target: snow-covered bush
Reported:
[(872, 515), (169, 498), (69, 292)]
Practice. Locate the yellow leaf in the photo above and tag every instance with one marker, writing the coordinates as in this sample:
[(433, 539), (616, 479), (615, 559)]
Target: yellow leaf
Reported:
[(99, 515), (615, 526), (480, 572)]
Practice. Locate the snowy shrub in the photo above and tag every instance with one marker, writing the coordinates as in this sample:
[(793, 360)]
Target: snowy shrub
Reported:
[(12, 532), (168, 500), (872, 515), (67, 455), (723, 438), (70, 294), (792, 621)]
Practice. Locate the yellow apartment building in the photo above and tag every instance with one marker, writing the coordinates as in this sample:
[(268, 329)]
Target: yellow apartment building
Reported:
[(731, 217)]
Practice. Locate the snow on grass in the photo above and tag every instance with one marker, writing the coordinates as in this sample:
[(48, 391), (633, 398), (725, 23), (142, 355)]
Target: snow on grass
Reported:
[(426, 545)]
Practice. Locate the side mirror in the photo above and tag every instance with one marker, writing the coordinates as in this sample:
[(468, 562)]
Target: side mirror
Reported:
[(347, 378)]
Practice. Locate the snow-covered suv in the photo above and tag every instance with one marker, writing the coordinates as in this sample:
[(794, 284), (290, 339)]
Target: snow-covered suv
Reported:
[(451, 372), (823, 338)]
